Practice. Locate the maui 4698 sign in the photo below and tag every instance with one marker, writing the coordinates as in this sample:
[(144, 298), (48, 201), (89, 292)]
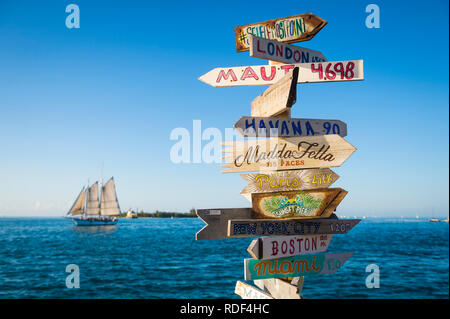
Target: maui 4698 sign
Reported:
[(270, 74)]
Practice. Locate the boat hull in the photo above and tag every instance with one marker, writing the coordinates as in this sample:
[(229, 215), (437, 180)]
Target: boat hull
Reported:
[(94, 222)]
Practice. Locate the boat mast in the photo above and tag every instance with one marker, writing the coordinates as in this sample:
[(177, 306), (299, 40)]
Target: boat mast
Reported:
[(86, 199), (101, 191)]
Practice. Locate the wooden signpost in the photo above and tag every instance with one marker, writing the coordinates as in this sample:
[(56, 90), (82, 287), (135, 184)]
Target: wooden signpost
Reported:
[(278, 98), (287, 127), (292, 211), (287, 246), (301, 27), (288, 180), (320, 203), (270, 74), (275, 227), (247, 291), (279, 288), (282, 52), (305, 265), (287, 153)]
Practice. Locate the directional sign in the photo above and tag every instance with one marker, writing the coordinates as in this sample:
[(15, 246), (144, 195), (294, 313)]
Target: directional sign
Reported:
[(217, 221), (275, 227), (270, 74), (247, 291), (287, 246), (249, 126), (306, 265), (288, 180), (286, 153), (296, 28), (315, 203), (278, 288), (281, 52), (278, 98)]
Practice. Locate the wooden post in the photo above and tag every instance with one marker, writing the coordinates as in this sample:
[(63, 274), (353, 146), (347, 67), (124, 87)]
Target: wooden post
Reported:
[(292, 204)]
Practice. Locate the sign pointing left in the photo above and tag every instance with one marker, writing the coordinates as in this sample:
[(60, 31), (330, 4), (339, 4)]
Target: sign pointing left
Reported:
[(270, 74)]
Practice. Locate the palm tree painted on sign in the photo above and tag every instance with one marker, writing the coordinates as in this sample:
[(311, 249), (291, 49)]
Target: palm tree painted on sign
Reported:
[(302, 204)]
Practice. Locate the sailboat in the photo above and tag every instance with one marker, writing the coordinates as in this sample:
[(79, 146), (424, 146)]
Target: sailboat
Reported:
[(91, 210)]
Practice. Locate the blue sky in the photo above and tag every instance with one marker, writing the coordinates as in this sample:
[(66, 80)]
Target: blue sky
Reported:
[(113, 90)]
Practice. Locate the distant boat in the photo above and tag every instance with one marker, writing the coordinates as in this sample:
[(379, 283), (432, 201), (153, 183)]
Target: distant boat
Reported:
[(91, 210), (433, 220), (131, 214)]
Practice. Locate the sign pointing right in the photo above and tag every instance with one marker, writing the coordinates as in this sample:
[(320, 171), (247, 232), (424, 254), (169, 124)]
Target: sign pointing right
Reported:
[(269, 74)]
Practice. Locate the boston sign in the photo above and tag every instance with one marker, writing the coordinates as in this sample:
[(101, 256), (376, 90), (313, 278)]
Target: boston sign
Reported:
[(287, 246)]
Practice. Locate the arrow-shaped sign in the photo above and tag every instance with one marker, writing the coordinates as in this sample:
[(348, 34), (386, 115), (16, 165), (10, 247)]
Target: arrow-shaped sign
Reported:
[(278, 98), (281, 52), (319, 203), (306, 265), (248, 126), (270, 74), (217, 221), (287, 246), (301, 27), (247, 291), (286, 153), (288, 180), (274, 227), (240, 222)]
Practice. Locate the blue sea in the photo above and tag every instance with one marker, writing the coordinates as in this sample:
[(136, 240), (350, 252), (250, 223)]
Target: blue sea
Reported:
[(160, 258)]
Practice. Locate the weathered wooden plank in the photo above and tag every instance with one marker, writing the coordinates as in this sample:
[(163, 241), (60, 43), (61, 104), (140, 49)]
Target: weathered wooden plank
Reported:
[(217, 221), (297, 28), (281, 52), (278, 288), (285, 227), (286, 153), (249, 292), (288, 180), (249, 126), (278, 98), (305, 265), (312, 203), (352, 70), (287, 246)]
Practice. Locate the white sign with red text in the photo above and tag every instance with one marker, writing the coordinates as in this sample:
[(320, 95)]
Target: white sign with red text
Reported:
[(270, 74), (287, 246)]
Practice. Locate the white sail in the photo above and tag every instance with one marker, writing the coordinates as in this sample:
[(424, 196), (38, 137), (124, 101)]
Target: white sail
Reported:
[(92, 202), (78, 206), (109, 205)]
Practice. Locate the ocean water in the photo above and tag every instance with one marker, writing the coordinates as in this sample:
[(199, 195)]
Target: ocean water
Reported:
[(159, 258)]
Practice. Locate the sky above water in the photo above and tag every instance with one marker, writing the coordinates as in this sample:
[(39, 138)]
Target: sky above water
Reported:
[(113, 90)]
